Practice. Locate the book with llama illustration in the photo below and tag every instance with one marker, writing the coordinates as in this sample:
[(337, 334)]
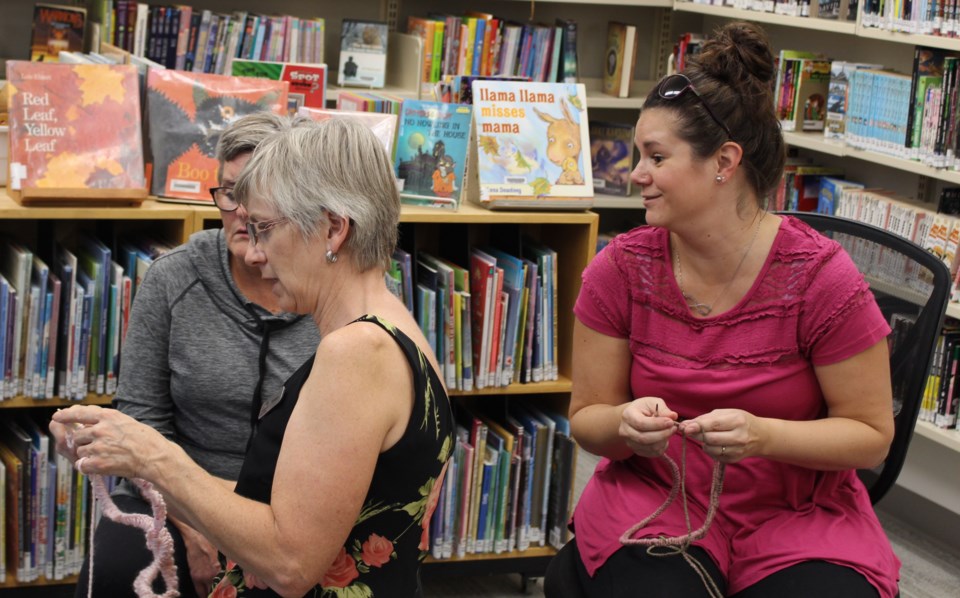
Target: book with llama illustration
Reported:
[(533, 147), (74, 131), (186, 114), (431, 152)]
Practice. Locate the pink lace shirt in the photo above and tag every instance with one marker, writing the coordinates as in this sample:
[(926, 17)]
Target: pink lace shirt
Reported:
[(809, 306)]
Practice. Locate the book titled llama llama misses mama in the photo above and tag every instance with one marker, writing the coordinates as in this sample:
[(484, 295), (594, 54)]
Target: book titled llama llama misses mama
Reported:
[(533, 147)]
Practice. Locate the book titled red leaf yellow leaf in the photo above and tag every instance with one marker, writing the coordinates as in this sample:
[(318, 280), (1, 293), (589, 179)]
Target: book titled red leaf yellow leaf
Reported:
[(75, 130), (186, 113)]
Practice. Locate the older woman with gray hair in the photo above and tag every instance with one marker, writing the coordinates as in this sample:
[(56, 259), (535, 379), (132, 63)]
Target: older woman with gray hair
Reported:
[(340, 480)]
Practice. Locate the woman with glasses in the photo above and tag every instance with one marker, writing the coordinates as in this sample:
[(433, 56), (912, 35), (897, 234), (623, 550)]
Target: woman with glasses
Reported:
[(208, 343), (730, 358), (342, 475)]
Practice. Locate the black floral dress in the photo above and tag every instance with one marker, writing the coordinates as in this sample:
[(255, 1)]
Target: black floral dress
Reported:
[(388, 541)]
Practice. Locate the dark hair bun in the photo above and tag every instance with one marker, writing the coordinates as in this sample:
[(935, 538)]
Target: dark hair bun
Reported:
[(738, 54)]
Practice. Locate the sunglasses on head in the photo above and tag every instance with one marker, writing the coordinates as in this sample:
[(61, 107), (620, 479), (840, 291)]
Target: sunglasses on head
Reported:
[(674, 86)]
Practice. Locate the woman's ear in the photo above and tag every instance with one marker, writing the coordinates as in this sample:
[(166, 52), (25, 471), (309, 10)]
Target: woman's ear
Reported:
[(337, 231), (729, 157)]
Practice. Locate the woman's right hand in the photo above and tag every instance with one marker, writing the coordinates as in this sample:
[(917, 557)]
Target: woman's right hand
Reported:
[(646, 425), (60, 435), (202, 558)]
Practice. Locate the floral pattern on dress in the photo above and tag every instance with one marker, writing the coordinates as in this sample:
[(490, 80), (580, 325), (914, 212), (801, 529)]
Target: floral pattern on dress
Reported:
[(370, 548)]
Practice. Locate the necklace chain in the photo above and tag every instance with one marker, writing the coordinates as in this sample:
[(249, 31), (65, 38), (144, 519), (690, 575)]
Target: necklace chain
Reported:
[(704, 309)]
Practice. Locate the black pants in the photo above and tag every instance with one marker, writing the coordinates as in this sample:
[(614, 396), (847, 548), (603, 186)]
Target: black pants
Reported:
[(120, 553), (631, 572)]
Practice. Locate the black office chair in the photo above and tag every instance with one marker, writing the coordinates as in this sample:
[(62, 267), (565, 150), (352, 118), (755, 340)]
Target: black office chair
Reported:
[(912, 287)]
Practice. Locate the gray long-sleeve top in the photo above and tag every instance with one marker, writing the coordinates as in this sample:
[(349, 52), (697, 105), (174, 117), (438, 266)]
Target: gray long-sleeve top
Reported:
[(191, 358)]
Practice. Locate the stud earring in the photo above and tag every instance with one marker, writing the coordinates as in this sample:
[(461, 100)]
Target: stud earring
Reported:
[(331, 256), (720, 178)]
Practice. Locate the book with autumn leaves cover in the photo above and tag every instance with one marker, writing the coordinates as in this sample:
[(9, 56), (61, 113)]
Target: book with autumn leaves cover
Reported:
[(186, 113), (74, 132)]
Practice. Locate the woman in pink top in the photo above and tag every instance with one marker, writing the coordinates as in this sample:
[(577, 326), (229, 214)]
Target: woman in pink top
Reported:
[(741, 336)]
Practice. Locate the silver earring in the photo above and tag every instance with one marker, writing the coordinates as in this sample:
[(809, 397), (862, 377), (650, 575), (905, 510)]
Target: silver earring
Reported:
[(720, 178), (331, 256)]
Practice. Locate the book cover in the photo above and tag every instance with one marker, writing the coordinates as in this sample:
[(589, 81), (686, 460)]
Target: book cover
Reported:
[(55, 29), (308, 82), (611, 155), (75, 127), (363, 53), (531, 141), (619, 59), (186, 113), (431, 152), (813, 83)]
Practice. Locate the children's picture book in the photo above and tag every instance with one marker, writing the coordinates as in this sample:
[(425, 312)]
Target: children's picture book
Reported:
[(363, 53), (431, 152), (75, 131), (308, 82), (619, 59), (186, 113), (611, 154), (532, 145), (55, 29), (383, 125)]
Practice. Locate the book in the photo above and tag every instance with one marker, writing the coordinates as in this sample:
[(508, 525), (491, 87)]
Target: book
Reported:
[(363, 53), (308, 82), (813, 82), (531, 145), (186, 114), (431, 152), (619, 59), (75, 131), (838, 96), (569, 62), (611, 155), (56, 28)]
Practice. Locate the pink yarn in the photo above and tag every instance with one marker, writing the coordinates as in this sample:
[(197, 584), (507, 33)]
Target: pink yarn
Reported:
[(158, 538)]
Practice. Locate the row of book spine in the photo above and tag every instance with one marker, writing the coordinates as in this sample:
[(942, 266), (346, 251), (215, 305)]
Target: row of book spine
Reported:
[(942, 393), (509, 485), (62, 325), (181, 37), (925, 17), (485, 45), (46, 505), (492, 323), (821, 9), (909, 116)]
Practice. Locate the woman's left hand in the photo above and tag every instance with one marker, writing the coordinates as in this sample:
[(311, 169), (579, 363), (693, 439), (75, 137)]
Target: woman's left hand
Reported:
[(109, 442), (727, 435)]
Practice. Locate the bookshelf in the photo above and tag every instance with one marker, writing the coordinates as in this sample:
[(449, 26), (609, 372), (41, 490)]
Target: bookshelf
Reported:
[(572, 234)]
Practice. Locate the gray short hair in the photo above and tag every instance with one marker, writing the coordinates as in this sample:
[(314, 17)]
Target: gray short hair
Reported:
[(243, 135), (339, 166)]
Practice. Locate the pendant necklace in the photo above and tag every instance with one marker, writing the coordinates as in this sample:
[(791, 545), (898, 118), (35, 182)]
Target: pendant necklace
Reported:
[(704, 309)]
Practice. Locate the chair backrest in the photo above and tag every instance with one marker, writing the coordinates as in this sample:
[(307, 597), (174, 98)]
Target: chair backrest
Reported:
[(912, 287)]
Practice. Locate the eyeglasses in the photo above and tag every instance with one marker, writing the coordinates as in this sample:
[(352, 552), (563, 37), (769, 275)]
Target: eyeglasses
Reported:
[(255, 230), (674, 86), (223, 198)]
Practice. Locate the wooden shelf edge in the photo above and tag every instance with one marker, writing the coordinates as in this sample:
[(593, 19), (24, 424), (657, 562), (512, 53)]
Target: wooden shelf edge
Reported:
[(533, 551), (563, 385), (12, 583), (27, 402)]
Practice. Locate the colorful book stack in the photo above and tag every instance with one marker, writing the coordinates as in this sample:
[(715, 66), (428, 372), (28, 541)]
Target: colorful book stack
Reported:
[(509, 485), (204, 41), (482, 44)]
